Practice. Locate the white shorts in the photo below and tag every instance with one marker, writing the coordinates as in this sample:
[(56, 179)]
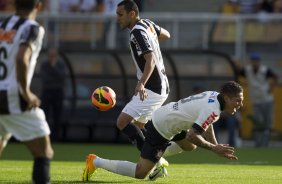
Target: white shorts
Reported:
[(141, 111), (24, 126)]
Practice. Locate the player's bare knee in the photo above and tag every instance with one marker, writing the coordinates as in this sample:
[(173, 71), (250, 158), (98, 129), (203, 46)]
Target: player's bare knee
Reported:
[(50, 153), (121, 123), (140, 175)]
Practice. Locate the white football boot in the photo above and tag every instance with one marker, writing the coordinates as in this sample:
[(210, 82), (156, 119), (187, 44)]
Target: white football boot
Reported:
[(159, 171)]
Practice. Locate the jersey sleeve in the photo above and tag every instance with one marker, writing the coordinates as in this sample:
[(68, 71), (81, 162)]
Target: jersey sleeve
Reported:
[(32, 35), (141, 41), (156, 27), (206, 117)]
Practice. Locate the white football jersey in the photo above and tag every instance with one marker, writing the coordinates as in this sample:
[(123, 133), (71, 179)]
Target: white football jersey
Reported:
[(144, 39), (202, 109), (15, 31)]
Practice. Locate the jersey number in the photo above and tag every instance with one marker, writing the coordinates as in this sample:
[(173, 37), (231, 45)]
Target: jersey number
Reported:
[(194, 97), (3, 68)]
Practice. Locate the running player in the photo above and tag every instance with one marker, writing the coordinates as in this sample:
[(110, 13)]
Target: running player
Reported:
[(152, 87), (170, 122), (21, 39)]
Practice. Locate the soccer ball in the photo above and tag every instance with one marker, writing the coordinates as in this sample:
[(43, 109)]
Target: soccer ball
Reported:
[(104, 98)]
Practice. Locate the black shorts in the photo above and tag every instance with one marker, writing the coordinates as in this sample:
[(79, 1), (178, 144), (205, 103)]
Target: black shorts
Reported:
[(155, 144)]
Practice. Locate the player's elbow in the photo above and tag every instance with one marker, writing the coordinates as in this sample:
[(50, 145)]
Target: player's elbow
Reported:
[(165, 35), (168, 35)]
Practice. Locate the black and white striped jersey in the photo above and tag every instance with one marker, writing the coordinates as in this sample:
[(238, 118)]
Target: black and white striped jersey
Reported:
[(144, 39), (15, 31)]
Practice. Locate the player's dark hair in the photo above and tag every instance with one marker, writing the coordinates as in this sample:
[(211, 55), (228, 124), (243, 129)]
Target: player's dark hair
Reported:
[(129, 5), (231, 88), (27, 5)]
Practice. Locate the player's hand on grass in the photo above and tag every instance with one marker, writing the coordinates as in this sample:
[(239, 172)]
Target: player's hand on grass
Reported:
[(141, 90), (225, 150)]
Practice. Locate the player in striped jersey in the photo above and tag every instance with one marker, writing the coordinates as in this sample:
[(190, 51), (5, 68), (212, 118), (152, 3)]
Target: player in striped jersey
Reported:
[(152, 87), (21, 39), (188, 122)]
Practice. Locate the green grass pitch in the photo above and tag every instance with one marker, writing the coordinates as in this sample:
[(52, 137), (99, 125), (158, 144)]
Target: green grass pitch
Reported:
[(254, 166)]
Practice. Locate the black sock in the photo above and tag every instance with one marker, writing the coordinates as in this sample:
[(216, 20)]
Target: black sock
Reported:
[(144, 131), (135, 135), (41, 171)]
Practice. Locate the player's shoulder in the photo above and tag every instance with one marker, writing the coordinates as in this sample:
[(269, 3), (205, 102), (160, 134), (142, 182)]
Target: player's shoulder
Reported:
[(32, 30), (34, 25), (143, 24), (208, 98)]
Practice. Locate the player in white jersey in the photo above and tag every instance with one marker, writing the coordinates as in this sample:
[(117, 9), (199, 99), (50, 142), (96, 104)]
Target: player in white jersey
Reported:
[(188, 122), (21, 39)]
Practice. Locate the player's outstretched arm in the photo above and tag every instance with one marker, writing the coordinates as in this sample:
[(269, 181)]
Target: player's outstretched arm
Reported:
[(164, 35), (224, 150), (209, 135), (195, 137)]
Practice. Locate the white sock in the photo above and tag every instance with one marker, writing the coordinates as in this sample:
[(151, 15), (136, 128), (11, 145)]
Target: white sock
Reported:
[(116, 166), (172, 149)]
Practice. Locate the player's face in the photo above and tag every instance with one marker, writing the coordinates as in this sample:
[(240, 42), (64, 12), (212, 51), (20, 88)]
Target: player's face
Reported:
[(123, 18), (232, 104)]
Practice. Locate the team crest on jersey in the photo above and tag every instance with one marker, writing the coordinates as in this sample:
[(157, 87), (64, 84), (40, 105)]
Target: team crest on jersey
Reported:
[(212, 97), (211, 100)]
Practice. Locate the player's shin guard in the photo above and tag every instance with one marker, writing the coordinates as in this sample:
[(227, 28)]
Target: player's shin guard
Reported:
[(41, 171), (135, 135)]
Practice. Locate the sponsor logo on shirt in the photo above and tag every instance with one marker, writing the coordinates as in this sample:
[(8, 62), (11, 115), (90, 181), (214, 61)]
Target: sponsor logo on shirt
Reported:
[(209, 120), (7, 36), (211, 100)]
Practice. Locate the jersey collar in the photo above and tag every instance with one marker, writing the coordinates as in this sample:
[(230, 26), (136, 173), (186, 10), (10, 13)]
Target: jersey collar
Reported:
[(221, 101)]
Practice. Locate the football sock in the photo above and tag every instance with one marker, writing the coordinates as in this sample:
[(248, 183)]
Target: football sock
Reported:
[(41, 171), (144, 131), (121, 167), (172, 149), (135, 135)]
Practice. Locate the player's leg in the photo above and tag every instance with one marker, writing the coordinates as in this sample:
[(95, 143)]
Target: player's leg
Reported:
[(152, 150), (42, 153), (179, 144), (4, 138), (32, 129), (121, 167), (136, 114), (135, 135)]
